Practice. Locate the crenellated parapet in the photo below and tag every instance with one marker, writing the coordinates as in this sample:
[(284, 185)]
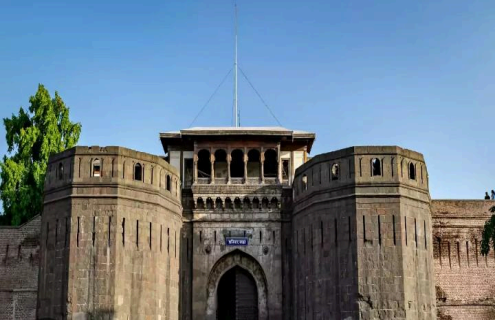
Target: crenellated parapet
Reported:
[(363, 167), (112, 165)]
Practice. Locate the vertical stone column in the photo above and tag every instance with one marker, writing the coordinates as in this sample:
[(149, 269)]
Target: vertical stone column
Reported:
[(229, 159), (195, 169), (262, 161), (212, 160), (245, 158), (279, 164)]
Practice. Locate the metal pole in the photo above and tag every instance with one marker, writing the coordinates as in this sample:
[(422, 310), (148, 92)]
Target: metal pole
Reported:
[(236, 115)]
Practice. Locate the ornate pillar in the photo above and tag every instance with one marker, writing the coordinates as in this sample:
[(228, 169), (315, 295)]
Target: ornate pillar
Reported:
[(245, 158), (195, 169), (212, 160), (262, 161), (229, 159)]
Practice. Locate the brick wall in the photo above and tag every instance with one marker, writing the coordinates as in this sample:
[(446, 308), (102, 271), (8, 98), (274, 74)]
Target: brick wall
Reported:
[(19, 261), (465, 280)]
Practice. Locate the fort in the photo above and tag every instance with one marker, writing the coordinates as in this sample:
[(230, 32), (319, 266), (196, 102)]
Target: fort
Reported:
[(240, 223)]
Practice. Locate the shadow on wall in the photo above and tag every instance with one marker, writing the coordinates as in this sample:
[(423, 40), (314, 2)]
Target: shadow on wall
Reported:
[(100, 314)]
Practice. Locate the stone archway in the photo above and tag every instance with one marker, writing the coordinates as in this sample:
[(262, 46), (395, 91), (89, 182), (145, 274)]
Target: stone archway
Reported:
[(224, 264)]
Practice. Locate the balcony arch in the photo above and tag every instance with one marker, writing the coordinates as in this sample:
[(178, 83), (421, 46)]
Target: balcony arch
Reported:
[(204, 164), (270, 164), (228, 203), (254, 164), (218, 203), (237, 164), (221, 169)]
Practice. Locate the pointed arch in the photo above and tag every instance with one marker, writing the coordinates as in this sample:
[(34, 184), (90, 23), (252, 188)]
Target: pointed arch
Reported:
[(236, 258)]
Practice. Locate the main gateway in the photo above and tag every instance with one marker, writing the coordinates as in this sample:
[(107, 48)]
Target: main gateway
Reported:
[(239, 223)]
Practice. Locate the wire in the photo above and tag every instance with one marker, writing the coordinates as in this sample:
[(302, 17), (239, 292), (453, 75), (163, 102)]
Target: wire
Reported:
[(211, 97), (259, 96)]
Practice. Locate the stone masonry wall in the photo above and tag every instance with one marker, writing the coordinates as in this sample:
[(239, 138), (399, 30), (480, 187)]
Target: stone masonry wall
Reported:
[(257, 216), (19, 262), (110, 236), (465, 280), (378, 263)]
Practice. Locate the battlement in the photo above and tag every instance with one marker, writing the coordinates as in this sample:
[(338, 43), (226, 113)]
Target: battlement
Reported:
[(365, 210), (111, 166), (361, 166), (109, 214)]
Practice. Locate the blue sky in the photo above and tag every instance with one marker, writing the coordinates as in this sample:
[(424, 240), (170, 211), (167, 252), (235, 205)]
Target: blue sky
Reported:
[(418, 74)]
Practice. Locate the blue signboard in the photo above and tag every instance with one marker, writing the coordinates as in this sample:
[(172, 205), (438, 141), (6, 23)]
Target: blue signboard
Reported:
[(236, 241)]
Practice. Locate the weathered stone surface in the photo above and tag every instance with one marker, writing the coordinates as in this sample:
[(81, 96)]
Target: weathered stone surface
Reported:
[(325, 242), (110, 236), (464, 278), (362, 238)]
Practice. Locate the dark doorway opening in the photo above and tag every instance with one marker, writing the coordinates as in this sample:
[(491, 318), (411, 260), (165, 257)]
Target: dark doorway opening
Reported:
[(237, 296)]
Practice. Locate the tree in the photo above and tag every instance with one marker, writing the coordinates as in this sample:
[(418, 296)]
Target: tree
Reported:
[(32, 136), (488, 234)]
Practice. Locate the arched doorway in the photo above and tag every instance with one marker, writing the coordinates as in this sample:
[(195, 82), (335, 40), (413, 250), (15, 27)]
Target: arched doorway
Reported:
[(249, 272), (237, 296)]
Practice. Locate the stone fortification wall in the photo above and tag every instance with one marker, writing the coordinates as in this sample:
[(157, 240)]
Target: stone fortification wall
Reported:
[(109, 236), (465, 280), (19, 262), (221, 211), (362, 236)]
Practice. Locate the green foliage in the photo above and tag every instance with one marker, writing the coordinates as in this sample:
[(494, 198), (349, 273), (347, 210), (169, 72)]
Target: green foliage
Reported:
[(32, 136), (488, 234)]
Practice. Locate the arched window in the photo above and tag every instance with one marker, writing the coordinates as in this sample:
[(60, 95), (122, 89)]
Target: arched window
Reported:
[(138, 172), (60, 171), (304, 181), (200, 203), (237, 164), (254, 164), (221, 170), (256, 203), (376, 167), (246, 203), (270, 164), (274, 203), (209, 204), (218, 203), (152, 174), (204, 164), (169, 183), (265, 203), (237, 203), (412, 171), (228, 203), (96, 167), (335, 172)]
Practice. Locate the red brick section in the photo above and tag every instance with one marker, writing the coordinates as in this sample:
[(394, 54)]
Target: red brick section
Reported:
[(19, 262), (465, 280)]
